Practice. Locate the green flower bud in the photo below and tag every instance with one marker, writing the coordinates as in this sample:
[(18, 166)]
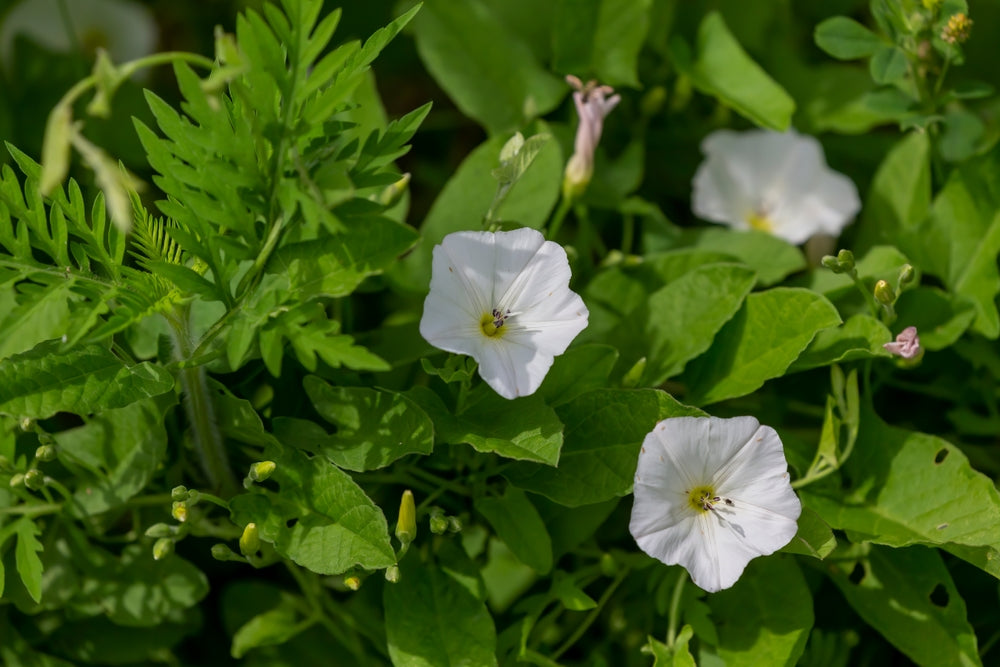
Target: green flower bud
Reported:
[(34, 479), (179, 511), (353, 583), (17, 479), (262, 470), (159, 530), (406, 526), (223, 553), (609, 567), (27, 424), (634, 374), (45, 453), (830, 262), (179, 493), (439, 524), (163, 548), (392, 574), (56, 149), (454, 524), (193, 497), (391, 195), (846, 259), (250, 540), (884, 294), (906, 275)]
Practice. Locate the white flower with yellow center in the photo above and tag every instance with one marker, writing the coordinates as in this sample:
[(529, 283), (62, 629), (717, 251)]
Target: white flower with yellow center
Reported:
[(504, 299), (774, 182), (711, 494), (125, 29)]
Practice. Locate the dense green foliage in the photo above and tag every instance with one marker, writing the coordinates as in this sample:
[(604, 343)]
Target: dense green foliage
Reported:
[(214, 393)]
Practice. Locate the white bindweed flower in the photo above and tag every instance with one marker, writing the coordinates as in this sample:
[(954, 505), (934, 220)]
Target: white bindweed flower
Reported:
[(774, 182), (504, 299), (711, 494), (125, 29)]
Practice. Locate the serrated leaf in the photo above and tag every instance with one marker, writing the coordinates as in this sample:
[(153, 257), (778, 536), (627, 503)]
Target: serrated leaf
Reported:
[(604, 430), (320, 519), (722, 68), (845, 38), (908, 595), (29, 565), (516, 521), (431, 620), (759, 343), (43, 381)]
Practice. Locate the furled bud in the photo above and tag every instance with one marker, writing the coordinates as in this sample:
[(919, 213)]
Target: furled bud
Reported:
[(884, 294), (406, 526), (906, 275), (392, 574), (222, 552), (163, 548), (392, 193), (179, 510), (249, 540), (56, 148), (262, 470), (846, 259), (159, 530), (179, 493), (354, 583), (17, 479), (45, 453), (454, 524), (34, 479)]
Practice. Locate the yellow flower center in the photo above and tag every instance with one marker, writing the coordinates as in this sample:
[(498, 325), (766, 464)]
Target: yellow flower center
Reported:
[(759, 222), (703, 499), (492, 323)]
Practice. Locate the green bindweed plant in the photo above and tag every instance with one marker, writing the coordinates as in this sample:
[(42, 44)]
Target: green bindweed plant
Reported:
[(273, 407)]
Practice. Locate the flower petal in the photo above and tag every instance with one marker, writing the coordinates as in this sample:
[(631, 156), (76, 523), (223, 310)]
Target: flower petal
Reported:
[(511, 368)]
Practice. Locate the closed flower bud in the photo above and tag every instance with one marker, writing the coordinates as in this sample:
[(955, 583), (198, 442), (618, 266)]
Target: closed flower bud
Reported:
[(406, 527), (179, 511), (958, 29), (392, 574), (179, 493), (34, 479), (45, 453), (262, 470), (56, 148), (609, 567), (249, 540), (846, 259), (163, 548), (354, 583), (224, 553), (830, 262), (906, 275), (391, 195), (17, 479), (454, 524), (884, 294), (193, 497), (159, 530), (439, 524)]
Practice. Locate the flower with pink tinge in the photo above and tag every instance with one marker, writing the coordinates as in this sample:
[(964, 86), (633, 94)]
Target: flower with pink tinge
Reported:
[(593, 102), (711, 495), (906, 345)]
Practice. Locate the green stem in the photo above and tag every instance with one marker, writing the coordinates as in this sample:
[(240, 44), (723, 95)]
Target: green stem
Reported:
[(200, 409), (673, 620), (565, 203), (868, 297), (37, 509), (628, 233), (592, 616)]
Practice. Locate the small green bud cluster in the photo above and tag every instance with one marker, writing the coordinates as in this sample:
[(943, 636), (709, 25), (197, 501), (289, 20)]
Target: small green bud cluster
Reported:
[(441, 523), (842, 263)]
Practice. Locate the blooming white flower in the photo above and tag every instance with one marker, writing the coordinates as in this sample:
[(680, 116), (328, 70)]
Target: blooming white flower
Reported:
[(774, 182), (504, 299), (711, 494), (125, 29), (593, 102)]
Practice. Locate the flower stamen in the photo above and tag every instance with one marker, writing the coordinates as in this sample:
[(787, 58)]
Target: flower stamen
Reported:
[(492, 323)]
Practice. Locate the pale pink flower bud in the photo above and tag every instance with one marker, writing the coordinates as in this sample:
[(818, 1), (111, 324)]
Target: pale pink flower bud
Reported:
[(593, 102), (906, 345)]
